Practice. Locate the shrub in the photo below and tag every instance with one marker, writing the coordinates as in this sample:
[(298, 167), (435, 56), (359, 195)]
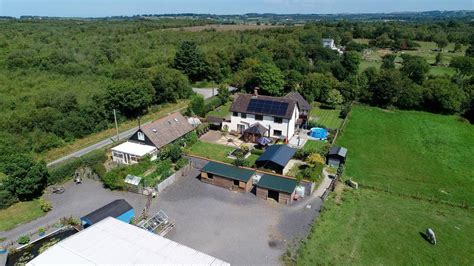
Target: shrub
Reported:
[(346, 109), (315, 159), (45, 205), (41, 230), (72, 221), (24, 239), (257, 151), (181, 163), (6, 199), (314, 123), (212, 103)]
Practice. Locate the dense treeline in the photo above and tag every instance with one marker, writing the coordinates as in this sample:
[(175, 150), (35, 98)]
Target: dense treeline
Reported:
[(60, 80)]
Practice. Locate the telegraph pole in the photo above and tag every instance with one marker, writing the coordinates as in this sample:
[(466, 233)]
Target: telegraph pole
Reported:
[(116, 126)]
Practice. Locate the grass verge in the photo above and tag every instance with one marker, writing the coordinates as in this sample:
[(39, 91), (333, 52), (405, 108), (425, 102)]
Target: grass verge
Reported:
[(19, 213)]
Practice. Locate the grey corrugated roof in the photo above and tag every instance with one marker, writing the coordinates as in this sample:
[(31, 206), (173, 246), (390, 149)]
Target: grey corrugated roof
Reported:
[(256, 128), (277, 183), (113, 209), (279, 154), (241, 103), (341, 151), (302, 103), (229, 171)]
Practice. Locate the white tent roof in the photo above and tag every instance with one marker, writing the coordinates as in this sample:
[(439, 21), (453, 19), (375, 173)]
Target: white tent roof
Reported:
[(111, 241), (133, 180), (134, 148)]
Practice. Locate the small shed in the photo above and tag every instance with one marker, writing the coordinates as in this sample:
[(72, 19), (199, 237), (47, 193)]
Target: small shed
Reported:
[(336, 156), (279, 188), (275, 158), (119, 209), (227, 176), (215, 122)]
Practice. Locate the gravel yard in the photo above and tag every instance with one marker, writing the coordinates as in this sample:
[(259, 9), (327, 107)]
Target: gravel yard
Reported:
[(236, 227)]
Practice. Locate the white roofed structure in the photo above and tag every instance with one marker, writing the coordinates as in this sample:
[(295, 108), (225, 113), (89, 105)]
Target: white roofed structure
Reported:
[(114, 242), (134, 149)]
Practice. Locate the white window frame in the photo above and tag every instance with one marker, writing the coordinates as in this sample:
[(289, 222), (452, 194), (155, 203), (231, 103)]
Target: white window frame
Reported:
[(141, 136)]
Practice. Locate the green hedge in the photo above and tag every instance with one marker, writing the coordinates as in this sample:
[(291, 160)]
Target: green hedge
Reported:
[(66, 170)]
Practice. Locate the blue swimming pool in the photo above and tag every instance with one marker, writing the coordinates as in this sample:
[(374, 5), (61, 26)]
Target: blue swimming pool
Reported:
[(318, 133)]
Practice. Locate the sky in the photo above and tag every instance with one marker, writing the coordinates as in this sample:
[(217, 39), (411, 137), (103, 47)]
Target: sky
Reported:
[(100, 8)]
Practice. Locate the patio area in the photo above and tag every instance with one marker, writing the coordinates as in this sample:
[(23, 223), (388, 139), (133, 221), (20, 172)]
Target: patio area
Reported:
[(217, 137)]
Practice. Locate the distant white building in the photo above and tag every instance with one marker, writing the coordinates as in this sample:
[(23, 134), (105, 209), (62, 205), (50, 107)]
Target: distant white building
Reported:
[(329, 43), (113, 242), (255, 116)]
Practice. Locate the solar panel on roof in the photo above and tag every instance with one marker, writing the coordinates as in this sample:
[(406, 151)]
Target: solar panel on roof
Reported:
[(267, 107)]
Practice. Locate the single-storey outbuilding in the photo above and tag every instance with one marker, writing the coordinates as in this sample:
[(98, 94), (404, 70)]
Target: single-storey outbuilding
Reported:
[(227, 176), (119, 209), (279, 188), (275, 158), (336, 156)]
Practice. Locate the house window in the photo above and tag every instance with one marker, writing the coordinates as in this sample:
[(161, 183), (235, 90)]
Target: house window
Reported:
[(259, 117), (243, 115), (277, 133), (141, 136), (235, 114), (278, 120)]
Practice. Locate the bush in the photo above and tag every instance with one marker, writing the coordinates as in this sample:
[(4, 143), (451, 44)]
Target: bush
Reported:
[(257, 151), (66, 170), (212, 103), (45, 205), (6, 199), (346, 109), (315, 159), (41, 230), (181, 163), (24, 239), (314, 123)]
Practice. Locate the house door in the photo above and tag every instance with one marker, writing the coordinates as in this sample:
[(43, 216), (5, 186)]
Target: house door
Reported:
[(240, 128)]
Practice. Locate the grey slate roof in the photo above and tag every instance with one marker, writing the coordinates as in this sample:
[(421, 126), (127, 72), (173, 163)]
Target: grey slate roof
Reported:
[(256, 128), (302, 103), (241, 103), (279, 154), (341, 151), (167, 129), (113, 209)]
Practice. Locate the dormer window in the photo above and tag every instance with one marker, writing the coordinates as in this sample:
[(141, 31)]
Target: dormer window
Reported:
[(243, 115), (141, 136)]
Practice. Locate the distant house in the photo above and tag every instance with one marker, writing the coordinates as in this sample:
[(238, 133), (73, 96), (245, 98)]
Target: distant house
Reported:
[(148, 139), (119, 209), (336, 156), (275, 158), (255, 116), (303, 105), (329, 43)]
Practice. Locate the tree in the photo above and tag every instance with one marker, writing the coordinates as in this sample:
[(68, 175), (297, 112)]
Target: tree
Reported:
[(334, 98), (170, 85), (415, 67), (190, 60), (385, 88), (441, 40), (293, 80), (464, 65), (350, 61), (196, 106), (470, 51), (457, 47), (269, 78), (316, 86), (439, 59), (314, 159), (223, 92), (388, 61), (443, 96), (346, 38), (130, 97), (26, 178)]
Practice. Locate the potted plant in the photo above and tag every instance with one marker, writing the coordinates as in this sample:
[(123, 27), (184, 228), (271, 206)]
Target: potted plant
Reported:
[(23, 240), (3, 249), (41, 231)]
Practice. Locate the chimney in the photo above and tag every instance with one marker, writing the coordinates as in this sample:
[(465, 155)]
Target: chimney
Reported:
[(255, 91)]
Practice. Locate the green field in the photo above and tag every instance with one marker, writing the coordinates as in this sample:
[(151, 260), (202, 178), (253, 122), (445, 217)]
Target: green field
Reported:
[(326, 117), (221, 111), (365, 227), (215, 152), (19, 213), (411, 152)]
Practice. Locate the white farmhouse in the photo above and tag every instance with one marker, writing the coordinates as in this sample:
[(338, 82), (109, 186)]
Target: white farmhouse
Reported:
[(255, 116), (329, 43)]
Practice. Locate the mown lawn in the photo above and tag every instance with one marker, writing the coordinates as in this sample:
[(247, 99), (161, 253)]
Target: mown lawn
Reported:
[(327, 117), (411, 152), (215, 152), (365, 227), (315, 146), (19, 213), (221, 111)]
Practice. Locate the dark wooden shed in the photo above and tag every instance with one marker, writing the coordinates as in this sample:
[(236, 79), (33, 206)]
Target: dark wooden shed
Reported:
[(275, 158), (336, 156), (227, 176)]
